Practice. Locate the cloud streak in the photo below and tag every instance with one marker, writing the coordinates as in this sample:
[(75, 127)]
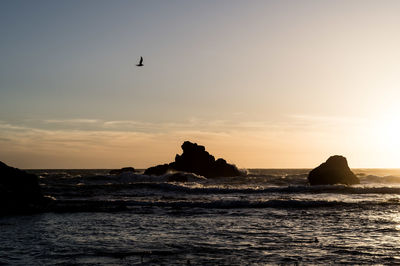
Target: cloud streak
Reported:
[(72, 121), (299, 141)]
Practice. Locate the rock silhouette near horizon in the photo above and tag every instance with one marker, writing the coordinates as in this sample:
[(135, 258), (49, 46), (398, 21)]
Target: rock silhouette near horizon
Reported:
[(195, 159), (334, 171), (19, 191), (122, 170)]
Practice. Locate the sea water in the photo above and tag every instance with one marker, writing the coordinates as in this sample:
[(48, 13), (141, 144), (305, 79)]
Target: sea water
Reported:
[(272, 216)]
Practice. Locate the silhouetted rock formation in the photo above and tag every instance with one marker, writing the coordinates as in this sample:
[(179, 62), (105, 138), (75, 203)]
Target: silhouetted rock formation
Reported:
[(195, 159), (334, 171), (122, 170), (19, 191)]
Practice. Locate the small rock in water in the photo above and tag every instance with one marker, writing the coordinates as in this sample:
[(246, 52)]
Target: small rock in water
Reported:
[(334, 171), (122, 170)]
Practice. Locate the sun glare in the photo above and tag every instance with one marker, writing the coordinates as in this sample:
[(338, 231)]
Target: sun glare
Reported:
[(386, 137), (389, 128)]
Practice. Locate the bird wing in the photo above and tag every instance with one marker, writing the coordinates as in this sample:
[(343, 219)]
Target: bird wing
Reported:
[(141, 60)]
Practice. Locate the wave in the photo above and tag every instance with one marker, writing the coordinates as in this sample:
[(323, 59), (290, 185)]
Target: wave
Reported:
[(341, 189), (244, 204), (79, 185), (390, 179), (173, 191), (196, 188), (110, 206), (283, 177), (123, 178)]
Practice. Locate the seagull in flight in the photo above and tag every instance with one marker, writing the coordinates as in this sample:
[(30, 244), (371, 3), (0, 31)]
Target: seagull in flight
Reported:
[(140, 62)]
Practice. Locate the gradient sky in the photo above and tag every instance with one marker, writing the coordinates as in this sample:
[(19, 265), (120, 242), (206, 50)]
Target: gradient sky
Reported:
[(266, 84)]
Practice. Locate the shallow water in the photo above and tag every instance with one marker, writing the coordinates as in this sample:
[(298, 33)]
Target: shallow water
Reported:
[(272, 216)]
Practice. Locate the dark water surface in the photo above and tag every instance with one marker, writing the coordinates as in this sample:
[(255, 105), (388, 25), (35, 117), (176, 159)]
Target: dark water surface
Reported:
[(270, 217)]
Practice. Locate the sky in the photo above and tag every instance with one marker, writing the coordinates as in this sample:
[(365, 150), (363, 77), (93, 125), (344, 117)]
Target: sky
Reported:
[(263, 84)]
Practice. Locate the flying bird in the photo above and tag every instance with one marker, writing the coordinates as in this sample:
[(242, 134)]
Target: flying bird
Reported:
[(140, 62)]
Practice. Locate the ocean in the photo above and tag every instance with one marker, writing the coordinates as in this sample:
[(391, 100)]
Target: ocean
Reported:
[(272, 216)]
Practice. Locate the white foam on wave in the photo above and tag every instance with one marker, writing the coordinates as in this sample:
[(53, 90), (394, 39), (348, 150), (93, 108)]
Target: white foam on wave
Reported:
[(128, 177), (272, 203)]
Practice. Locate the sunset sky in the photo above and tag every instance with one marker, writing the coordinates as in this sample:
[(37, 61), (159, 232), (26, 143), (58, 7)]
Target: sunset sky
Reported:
[(266, 84)]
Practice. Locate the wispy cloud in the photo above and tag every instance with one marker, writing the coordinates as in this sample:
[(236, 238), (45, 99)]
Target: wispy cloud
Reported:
[(293, 122), (319, 119), (104, 127), (8, 126), (72, 121), (296, 141), (193, 123), (110, 143)]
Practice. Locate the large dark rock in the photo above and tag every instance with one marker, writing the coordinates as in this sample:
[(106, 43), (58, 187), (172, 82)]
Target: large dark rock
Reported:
[(19, 191), (334, 171), (159, 169), (195, 159), (122, 170)]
